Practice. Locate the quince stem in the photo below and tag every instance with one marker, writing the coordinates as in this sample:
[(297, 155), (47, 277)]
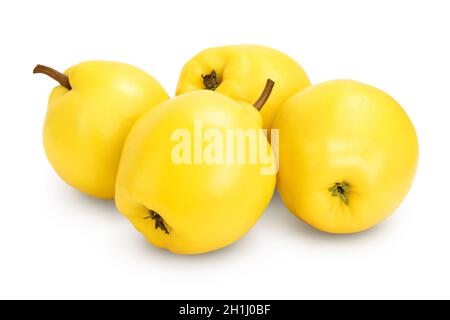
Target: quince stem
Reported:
[(341, 190), (60, 77), (265, 94), (159, 221), (211, 81)]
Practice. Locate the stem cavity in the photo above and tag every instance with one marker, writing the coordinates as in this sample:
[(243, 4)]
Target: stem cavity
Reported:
[(341, 190), (61, 78), (159, 221), (264, 95), (211, 81)]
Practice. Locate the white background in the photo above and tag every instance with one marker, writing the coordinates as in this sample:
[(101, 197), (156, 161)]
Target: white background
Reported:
[(58, 243)]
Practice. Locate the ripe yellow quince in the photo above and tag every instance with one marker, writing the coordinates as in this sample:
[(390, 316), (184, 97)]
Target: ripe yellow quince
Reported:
[(196, 172), (240, 72), (348, 155), (88, 118)]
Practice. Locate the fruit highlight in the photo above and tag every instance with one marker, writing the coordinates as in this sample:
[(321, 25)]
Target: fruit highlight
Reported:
[(194, 207), (348, 155), (240, 71), (194, 173), (88, 118)]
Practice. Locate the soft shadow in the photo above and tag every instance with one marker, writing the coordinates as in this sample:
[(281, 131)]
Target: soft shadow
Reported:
[(86, 200), (224, 253), (280, 218), (217, 255), (138, 242), (67, 194), (276, 219)]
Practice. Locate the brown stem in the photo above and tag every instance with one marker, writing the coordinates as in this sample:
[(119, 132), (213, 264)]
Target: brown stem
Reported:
[(264, 95), (211, 81), (61, 78), (159, 221)]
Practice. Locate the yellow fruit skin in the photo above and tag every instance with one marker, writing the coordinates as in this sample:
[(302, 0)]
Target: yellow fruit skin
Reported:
[(204, 206), (243, 71), (85, 127), (343, 130)]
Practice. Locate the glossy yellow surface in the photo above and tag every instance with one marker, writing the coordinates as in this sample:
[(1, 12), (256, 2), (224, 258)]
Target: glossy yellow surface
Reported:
[(243, 71), (339, 131), (85, 127), (204, 206)]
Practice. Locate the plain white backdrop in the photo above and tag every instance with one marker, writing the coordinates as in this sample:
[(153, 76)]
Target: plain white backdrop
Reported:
[(58, 243)]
